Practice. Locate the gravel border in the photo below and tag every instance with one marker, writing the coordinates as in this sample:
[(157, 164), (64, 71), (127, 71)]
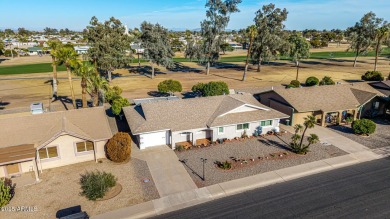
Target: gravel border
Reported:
[(59, 189), (249, 149), (381, 137)]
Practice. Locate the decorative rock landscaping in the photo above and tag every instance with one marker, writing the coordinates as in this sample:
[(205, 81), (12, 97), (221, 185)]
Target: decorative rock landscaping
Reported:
[(381, 137), (248, 157)]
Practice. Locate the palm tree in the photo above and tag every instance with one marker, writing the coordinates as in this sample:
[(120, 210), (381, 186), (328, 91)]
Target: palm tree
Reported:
[(68, 56), (54, 45), (312, 139), (84, 70), (251, 32), (309, 122), (381, 33), (96, 87)]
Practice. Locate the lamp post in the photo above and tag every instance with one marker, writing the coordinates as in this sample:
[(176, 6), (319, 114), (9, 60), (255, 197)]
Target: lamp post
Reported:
[(203, 161)]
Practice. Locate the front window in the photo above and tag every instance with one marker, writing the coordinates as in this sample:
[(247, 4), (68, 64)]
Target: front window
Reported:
[(48, 152), (84, 146), (243, 126), (266, 123), (221, 130)]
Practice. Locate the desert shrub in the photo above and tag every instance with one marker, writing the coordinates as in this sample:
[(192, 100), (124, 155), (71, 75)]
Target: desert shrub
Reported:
[(311, 81), (224, 165), (118, 148), (95, 184), (244, 134), (363, 127), (372, 76), (327, 81), (169, 86), (118, 104), (213, 88), (5, 193), (295, 83), (179, 148)]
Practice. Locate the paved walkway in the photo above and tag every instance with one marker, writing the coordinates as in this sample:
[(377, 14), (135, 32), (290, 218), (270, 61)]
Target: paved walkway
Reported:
[(168, 173)]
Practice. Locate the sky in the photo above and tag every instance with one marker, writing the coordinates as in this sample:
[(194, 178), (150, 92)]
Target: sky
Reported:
[(181, 14)]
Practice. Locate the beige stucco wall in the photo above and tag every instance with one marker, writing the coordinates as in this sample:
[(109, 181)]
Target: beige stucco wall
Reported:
[(67, 152), (25, 167), (299, 118)]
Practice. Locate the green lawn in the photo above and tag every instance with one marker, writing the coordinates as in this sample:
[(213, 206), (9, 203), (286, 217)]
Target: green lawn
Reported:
[(46, 67), (30, 68)]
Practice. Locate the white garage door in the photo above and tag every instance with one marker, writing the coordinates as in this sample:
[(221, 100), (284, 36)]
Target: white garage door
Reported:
[(152, 139)]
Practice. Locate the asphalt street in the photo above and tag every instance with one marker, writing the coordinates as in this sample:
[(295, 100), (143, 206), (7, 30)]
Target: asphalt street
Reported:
[(358, 191)]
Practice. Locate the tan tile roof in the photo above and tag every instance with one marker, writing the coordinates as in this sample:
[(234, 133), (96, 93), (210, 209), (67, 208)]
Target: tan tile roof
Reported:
[(328, 98), (186, 114), (41, 129)]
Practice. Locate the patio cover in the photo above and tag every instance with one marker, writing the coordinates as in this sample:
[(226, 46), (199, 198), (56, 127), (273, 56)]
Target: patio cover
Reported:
[(17, 153)]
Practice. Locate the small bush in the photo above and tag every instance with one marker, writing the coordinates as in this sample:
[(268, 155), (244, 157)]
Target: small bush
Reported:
[(372, 76), (213, 88), (5, 193), (327, 81), (118, 148), (169, 86), (363, 127), (244, 134), (295, 83), (118, 104), (290, 86), (311, 81), (224, 165), (180, 148), (94, 185)]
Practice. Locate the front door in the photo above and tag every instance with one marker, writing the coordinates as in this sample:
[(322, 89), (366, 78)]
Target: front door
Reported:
[(12, 169)]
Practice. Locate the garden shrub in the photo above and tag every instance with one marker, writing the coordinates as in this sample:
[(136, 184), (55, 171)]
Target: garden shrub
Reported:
[(372, 76), (363, 127), (224, 165), (179, 148), (213, 88), (112, 94), (118, 104), (95, 184), (311, 81), (327, 81), (295, 83), (118, 148), (5, 193), (169, 86)]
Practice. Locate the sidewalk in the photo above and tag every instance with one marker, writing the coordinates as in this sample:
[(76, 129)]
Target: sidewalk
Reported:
[(169, 175), (196, 196)]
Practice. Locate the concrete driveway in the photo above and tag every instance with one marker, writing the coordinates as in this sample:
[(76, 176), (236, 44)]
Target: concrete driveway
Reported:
[(168, 173)]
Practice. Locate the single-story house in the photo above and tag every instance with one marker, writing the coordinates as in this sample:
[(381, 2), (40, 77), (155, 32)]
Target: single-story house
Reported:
[(34, 143), (81, 49), (382, 86), (33, 51), (329, 104), (197, 119)]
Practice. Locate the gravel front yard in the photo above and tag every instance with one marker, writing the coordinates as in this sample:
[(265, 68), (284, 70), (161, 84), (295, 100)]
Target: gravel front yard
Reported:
[(249, 149), (60, 189), (381, 137)]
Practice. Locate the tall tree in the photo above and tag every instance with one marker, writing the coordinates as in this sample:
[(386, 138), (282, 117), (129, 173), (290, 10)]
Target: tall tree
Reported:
[(96, 87), (362, 35), (68, 56), (381, 33), (268, 42), (54, 45), (155, 41), (110, 45), (251, 33), (84, 70), (217, 19), (299, 49)]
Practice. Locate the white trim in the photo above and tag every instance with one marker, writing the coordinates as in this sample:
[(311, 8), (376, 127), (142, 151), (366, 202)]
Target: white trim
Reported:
[(247, 105), (47, 153), (267, 126), (142, 133), (76, 153), (247, 122)]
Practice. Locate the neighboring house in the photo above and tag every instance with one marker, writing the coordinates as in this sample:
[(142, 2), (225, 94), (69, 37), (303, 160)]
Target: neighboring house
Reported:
[(190, 120), (81, 49), (33, 51), (329, 104), (382, 86), (34, 143)]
